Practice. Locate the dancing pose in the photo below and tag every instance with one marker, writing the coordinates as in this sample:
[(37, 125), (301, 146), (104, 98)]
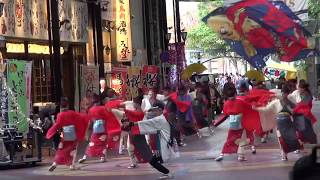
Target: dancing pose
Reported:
[(286, 131), (73, 127), (237, 138)]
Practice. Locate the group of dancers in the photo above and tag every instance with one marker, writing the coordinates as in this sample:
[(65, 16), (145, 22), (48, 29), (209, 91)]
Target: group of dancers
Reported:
[(152, 124), (258, 112)]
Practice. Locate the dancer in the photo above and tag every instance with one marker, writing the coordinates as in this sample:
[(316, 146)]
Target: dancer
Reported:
[(74, 128), (102, 123), (237, 138), (243, 90), (152, 126), (286, 131), (303, 117)]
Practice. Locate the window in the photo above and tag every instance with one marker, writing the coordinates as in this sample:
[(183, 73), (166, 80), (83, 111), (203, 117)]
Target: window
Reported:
[(42, 81)]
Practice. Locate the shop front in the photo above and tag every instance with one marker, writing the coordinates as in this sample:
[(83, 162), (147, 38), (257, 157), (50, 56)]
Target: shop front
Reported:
[(28, 84)]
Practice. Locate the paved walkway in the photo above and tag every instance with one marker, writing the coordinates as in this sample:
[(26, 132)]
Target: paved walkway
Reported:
[(196, 162)]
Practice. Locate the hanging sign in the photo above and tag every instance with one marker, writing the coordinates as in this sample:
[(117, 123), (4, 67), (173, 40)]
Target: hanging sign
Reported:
[(150, 77), (89, 80), (123, 31)]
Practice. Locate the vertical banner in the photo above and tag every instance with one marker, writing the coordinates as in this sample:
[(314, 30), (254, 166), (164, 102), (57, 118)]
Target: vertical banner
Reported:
[(89, 80), (17, 95), (119, 80), (123, 31), (150, 77), (3, 93), (134, 81)]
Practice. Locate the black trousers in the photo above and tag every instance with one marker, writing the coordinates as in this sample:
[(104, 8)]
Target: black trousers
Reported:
[(155, 162), (140, 143)]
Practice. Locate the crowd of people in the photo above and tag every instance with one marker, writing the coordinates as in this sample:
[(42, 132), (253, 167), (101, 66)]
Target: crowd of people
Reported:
[(152, 125)]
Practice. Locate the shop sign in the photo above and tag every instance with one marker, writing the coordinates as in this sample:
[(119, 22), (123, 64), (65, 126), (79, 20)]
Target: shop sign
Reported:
[(29, 19), (127, 81), (123, 31)]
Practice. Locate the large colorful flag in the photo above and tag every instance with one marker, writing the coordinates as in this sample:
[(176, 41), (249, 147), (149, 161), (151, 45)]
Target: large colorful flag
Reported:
[(255, 29)]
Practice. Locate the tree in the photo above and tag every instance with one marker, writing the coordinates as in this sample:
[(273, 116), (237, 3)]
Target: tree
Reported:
[(202, 37), (314, 9)]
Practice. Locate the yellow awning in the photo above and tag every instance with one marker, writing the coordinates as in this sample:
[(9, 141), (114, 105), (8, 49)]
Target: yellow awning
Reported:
[(281, 66)]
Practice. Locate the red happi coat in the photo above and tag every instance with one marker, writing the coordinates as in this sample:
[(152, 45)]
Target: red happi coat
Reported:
[(305, 107), (64, 153), (99, 142)]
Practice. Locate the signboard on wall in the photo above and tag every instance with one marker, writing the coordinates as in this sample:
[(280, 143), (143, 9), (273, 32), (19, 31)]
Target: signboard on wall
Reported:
[(127, 81), (29, 19), (123, 31)]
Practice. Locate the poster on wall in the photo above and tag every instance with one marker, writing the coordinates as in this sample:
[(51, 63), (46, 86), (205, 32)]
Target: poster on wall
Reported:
[(123, 31), (89, 80), (18, 107)]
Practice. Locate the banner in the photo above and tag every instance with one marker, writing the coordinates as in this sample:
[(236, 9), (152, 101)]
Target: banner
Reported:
[(3, 94), (89, 80), (150, 77), (17, 94), (123, 31), (119, 80), (134, 81)]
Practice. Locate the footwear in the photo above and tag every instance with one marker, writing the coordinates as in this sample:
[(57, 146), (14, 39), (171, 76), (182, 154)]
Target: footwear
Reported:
[(103, 160), (263, 140), (166, 176), (82, 160), (72, 167), (182, 144), (242, 158), (132, 166), (219, 158), (297, 151), (284, 158), (253, 150), (199, 135), (52, 167)]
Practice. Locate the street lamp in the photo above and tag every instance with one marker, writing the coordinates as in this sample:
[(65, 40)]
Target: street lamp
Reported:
[(184, 36)]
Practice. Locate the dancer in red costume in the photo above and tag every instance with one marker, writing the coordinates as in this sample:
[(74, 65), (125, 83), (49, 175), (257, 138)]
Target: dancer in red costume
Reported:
[(74, 127), (103, 123), (237, 139), (250, 134)]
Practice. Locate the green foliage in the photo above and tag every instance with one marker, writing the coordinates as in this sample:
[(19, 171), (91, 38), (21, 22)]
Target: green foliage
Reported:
[(314, 9), (202, 37)]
